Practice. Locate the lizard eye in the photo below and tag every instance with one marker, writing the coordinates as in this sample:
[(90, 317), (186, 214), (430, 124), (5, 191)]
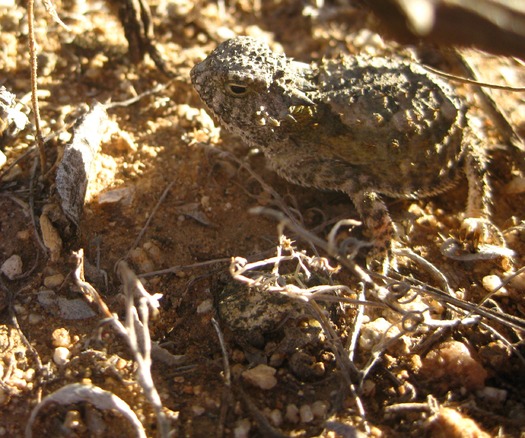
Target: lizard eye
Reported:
[(236, 90)]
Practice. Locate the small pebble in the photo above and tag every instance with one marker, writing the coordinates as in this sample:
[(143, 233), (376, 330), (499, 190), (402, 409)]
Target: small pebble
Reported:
[(493, 282), (61, 338), (376, 331), (177, 9), (237, 369), (123, 142), (18, 379), (368, 387), (154, 251), (238, 356), (205, 307), (96, 64), (211, 402), (34, 318), (276, 417), (319, 409), (23, 235), (242, 428), (53, 281), (141, 259), (120, 364), (12, 267), (451, 365), (305, 412), (123, 194), (73, 419), (261, 376), (61, 356), (225, 32), (205, 202), (186, 112), (76, 308), (494, 395), (197, 410), (30, 374), (19, 309), (292, 413)]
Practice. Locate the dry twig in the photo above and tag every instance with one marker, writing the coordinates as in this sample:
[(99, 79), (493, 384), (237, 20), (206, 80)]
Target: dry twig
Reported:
[(135, 329)]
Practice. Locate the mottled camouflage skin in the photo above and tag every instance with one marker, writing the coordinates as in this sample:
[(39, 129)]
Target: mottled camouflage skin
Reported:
[(362, 125)]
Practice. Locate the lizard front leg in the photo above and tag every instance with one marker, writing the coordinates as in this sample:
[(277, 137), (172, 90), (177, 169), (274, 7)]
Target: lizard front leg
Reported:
[(376, 218)]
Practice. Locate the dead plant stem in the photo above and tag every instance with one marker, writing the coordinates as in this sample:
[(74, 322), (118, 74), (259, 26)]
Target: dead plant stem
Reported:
[(34, 84)]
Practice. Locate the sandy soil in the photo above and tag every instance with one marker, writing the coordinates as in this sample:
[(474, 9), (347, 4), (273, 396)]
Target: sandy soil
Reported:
[(171, 191)]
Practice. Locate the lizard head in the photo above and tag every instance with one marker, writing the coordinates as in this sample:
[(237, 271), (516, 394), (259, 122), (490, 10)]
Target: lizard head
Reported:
[(250, 88)]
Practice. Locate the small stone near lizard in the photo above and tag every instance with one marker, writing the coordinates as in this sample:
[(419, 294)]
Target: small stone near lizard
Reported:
[(367, 126)]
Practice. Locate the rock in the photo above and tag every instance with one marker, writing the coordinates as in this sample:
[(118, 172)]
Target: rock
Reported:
[(261, 376), (12, 267)]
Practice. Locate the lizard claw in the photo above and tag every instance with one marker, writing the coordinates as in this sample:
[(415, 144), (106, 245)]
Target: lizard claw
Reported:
[(475, 232), (381, 260), (479, 239)]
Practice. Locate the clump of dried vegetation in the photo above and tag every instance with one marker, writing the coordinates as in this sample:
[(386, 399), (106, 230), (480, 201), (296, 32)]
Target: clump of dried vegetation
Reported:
[(143, 289)]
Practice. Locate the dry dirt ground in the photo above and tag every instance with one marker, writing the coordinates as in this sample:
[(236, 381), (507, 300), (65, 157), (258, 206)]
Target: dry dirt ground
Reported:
[(171, 192)]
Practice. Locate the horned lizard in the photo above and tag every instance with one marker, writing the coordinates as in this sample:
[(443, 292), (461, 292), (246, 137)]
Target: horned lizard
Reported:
[(367, 126)]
